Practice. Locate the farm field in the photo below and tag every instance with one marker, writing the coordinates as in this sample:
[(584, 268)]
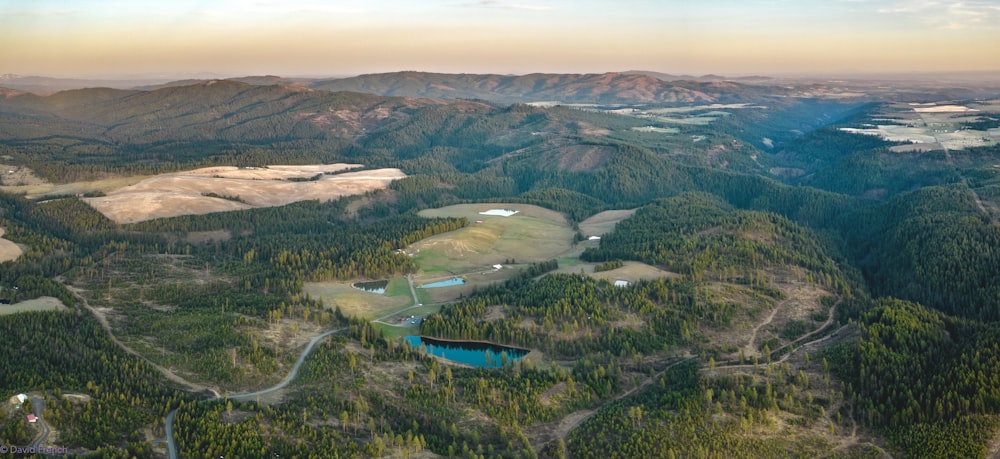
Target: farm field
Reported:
[(533, 234), (45, 303), (219, 189), (932, 126), (358, 303), (8, 249)]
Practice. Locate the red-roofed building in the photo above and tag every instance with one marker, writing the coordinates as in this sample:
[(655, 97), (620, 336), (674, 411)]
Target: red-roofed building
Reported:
[(32, 418)]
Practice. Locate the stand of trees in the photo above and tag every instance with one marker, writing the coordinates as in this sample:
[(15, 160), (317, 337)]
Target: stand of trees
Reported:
[(926, 380)]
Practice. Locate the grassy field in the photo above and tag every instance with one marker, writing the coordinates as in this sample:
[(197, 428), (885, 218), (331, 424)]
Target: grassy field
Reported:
[(533, 234), (472, 282), (8, 250), (604, 222), (633, 271), (357, 303), (45, 303)]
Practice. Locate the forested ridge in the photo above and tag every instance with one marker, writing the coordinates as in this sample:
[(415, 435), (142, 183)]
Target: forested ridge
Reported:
[(819, 295)]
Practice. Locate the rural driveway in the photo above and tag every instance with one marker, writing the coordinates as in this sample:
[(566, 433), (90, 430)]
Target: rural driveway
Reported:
[(415, 304), (171, 445), (38, 406)]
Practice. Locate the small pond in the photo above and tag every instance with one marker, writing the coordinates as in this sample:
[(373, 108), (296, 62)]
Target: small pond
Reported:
[(372, 287), (445, 283), (474, 353)]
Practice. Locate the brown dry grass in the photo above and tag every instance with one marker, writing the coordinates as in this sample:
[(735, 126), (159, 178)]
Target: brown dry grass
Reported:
[(18, 176), (8, 250), (604, 222), (289, 334), (764, 319), (183, 193), (44, 189), (354, 302), (634, 271)]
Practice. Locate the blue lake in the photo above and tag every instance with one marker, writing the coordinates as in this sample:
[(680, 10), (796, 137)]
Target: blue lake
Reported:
[(480, 355), (445, 283)]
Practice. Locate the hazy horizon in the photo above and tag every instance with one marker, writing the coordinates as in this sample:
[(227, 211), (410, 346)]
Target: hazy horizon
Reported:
[(109, 39)]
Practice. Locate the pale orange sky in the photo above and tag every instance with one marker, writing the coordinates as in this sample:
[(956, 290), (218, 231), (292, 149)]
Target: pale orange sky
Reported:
[(314, 37)]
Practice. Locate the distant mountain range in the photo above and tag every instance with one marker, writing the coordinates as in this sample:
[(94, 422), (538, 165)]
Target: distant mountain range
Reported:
[(48, 85), (216, 109), (631, 87), (605, 88)]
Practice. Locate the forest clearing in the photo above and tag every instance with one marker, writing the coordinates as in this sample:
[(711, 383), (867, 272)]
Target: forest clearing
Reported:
[(8, 250), (45, 303)]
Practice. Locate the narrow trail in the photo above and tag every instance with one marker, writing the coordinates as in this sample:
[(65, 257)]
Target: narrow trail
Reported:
[(189, 386), (573, 420), (167, 373), (829, 320), (783, 357), (993, 450), (750, 348), (793, 345), (992, 212)]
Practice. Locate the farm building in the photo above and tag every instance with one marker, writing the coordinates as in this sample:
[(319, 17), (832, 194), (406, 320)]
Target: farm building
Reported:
[(622, 283)]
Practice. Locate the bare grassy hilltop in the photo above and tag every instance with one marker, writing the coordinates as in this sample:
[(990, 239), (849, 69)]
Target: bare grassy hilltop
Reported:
[(8, 250), (219, 189)]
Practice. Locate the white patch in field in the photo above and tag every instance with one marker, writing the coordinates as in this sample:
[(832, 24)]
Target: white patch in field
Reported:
[(499, 212)]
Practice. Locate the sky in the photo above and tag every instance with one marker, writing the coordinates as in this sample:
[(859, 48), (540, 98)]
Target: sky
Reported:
[(112, 38)]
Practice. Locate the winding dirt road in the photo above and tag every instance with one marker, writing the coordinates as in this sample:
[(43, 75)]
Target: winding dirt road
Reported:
[(166, 372), (171, 445)]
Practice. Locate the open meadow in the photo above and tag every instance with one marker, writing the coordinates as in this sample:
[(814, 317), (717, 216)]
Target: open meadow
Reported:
[(632, 271), (358, 303), (45, 303), (8, 249), (604, 222), (531, 235)]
